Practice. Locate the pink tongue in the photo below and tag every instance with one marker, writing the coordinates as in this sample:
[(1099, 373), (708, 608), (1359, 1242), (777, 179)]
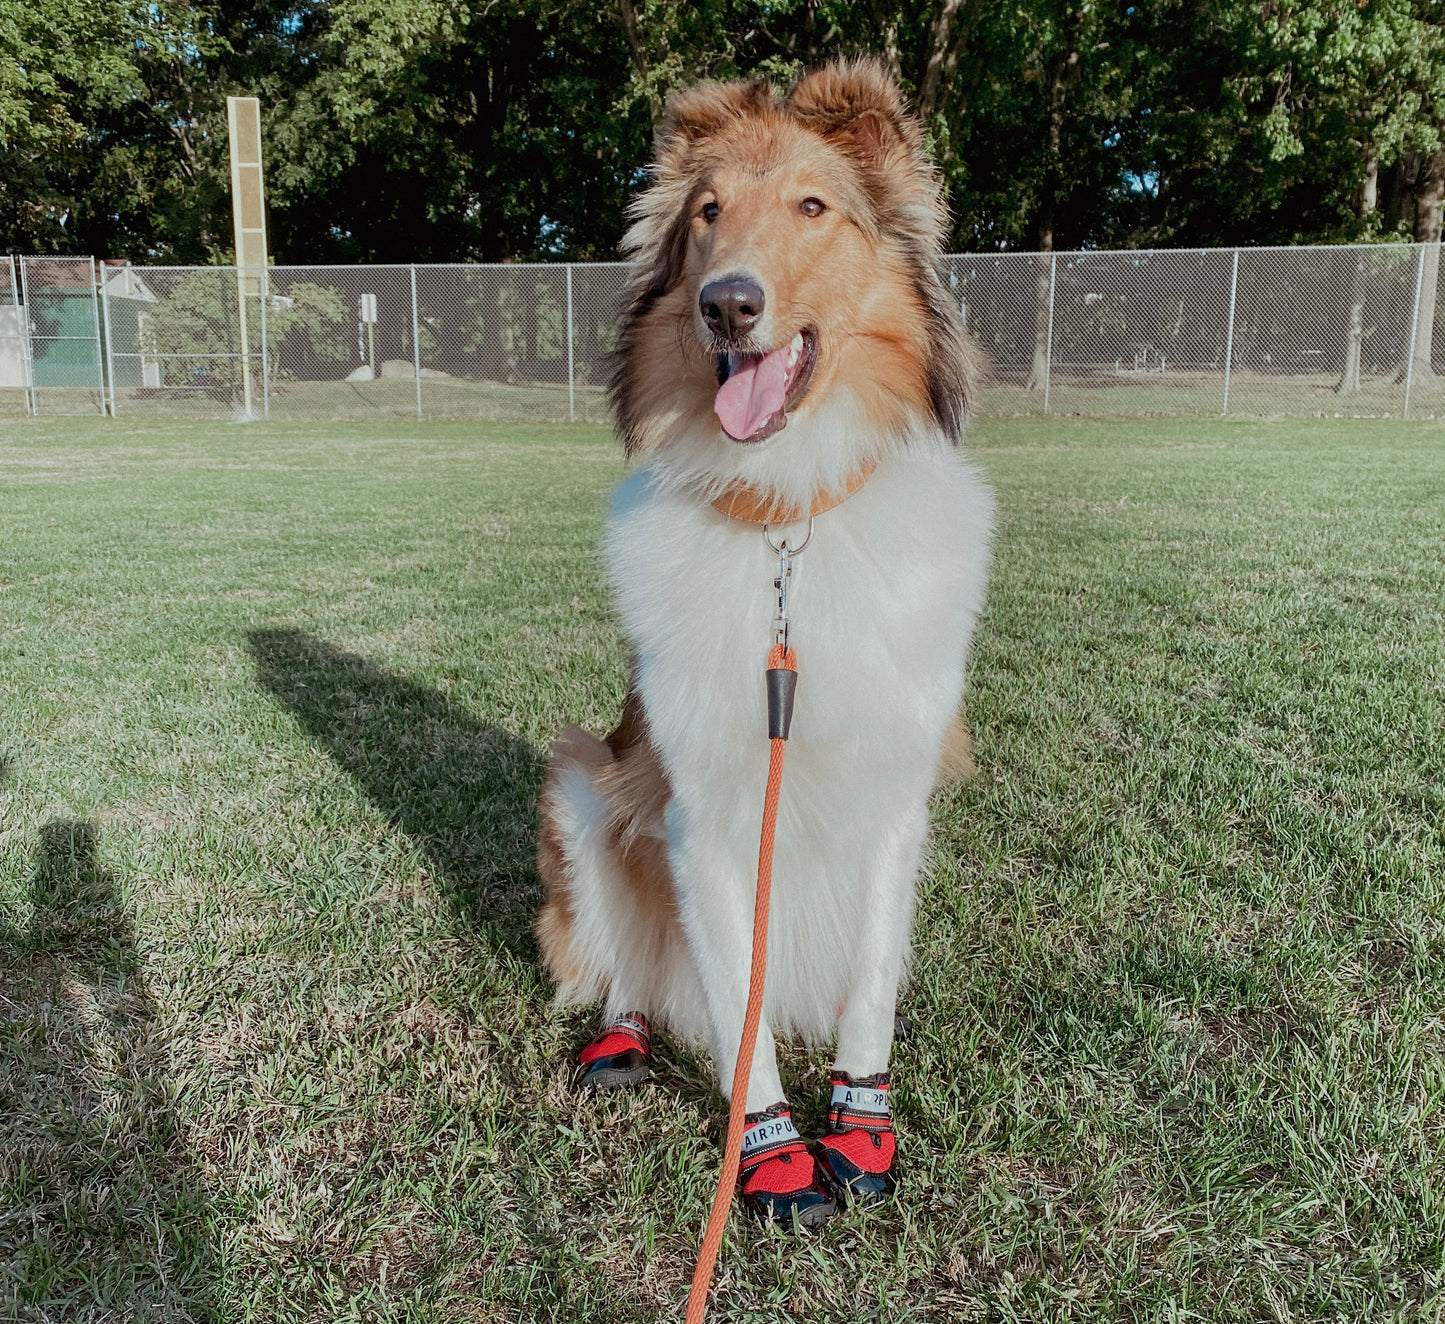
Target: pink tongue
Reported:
[(752, 394)]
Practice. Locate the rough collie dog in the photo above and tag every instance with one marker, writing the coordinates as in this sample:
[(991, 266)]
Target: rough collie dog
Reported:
[(789, 355)]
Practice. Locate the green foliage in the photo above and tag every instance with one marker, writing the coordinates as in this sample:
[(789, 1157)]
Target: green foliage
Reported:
[(102, 146), (313, 315), (1262, 121), (62, 65), (447, 131), (196, 329)]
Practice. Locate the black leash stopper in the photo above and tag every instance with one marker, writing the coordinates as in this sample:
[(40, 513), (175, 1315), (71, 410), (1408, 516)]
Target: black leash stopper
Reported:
[(782, 684)]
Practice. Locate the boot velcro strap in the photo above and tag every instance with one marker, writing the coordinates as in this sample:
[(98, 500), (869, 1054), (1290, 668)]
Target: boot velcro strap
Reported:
[(769, 1136), (627, 1033), (635, 1024), (860, 1104)]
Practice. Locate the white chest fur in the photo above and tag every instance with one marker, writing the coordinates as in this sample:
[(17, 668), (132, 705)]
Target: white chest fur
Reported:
[(883, 603)]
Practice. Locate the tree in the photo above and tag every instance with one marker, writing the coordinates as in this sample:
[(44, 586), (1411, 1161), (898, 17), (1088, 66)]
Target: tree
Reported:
[(60, 64), (101, 142), (195, 331), (517, 129), (1416, 155), (438, 131)]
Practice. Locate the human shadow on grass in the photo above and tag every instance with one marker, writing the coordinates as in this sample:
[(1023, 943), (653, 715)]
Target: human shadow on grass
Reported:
[(463, 789), (106, 1210)]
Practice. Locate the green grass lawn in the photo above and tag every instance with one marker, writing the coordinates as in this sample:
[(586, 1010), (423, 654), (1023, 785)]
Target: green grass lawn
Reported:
[(274, 1045)]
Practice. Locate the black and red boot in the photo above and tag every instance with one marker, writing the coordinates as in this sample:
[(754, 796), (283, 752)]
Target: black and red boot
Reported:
[(620, 1057), (779, 1175), (855, 1157)]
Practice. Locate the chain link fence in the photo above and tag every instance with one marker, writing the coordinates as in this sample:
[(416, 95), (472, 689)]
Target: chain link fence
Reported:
[(1302, 331), (1297, 331)]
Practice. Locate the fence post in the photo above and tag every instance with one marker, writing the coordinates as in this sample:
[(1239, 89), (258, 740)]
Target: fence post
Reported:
[(263, 285), (571, 380), (15, 300), (109, 338), (415, 342), (1414, 329), (1049, 341), (245, 359), (32, 395), (95, 322), (32, 402), (1229, 330)]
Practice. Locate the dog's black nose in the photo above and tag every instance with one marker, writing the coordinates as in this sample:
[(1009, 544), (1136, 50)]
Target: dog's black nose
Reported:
[(731, 306)]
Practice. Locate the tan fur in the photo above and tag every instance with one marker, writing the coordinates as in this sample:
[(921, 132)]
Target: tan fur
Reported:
[(955, 763), (842, 134)]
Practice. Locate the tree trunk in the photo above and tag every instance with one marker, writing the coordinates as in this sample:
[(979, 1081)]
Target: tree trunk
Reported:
[(1397, 192), (501, 336), (890, 50), (632, 30), (1039, 369), (532, 327), (511, 333), (885, 24), (1350, 383), (1428, 202), (939, 46)]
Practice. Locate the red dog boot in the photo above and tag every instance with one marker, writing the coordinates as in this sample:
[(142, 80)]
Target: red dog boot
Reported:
[(856, 1156), (779, 1177), (621, 1056)]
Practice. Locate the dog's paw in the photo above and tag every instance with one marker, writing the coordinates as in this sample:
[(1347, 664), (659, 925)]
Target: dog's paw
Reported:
[(856, 1156), (804, 1209), (779, 1175), (858, 1165), (620, 1057)]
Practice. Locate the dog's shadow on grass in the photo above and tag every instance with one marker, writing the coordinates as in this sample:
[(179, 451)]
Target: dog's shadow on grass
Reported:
[(108, 1212), (462, 789)]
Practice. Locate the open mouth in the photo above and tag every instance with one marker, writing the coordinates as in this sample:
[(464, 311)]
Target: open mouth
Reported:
[(756, 391)]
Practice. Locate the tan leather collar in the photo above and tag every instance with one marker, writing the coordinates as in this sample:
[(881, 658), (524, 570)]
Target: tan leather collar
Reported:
[(749, 505)]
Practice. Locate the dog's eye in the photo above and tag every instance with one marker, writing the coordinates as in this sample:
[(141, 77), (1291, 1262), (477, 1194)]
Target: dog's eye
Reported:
[(811, 207), (709, 212)]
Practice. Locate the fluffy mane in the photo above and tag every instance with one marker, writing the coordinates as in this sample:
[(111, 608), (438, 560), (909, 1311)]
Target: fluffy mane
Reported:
[(856, 110)]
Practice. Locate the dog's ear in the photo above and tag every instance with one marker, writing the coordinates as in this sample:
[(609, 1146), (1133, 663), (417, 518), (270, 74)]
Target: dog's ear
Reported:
[(857, 105), (699, 112)]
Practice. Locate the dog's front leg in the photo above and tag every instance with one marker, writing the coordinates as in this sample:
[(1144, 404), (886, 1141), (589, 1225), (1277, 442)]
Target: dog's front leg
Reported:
[(865, 1029), (714, 886), (858, 1150)]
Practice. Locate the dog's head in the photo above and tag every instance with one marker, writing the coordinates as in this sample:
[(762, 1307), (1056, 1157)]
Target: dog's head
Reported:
[(786, 251)]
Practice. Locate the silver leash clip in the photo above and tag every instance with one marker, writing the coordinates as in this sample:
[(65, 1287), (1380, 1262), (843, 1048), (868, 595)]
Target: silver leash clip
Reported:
[(784, 580), (782, 584)]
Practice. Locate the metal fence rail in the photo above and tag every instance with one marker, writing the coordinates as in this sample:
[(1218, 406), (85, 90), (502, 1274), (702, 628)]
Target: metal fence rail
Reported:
[(1300, 331)]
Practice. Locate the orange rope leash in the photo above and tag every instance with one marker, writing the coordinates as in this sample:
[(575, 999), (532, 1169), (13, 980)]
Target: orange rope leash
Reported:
[(737, 1109)]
